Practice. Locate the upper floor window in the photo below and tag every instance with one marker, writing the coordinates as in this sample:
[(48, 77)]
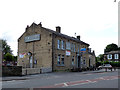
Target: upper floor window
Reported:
[(58, 44), (116, 56), (78, 48), (68, 46), (62, 45), (109, 56), (74, 47)]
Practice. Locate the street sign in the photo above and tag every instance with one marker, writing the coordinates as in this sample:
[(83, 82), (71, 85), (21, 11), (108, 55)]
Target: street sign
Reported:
[(83, 50), (32, 38), (67, 53)]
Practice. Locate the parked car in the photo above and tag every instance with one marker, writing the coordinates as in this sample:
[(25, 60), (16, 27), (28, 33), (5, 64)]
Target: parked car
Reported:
[(105, 66), (100, 67)]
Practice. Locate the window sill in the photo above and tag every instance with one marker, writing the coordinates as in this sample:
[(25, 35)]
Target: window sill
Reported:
[(61, 49), (60, 65)]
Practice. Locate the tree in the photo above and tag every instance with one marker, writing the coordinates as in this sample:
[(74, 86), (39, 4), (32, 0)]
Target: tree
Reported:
[(101, 57), (111, 47), (99, 60), (7, 52), (14, 58), (8, 57), (6, 48)]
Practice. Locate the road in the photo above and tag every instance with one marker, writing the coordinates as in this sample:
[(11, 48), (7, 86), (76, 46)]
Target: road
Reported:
[(87, 79)]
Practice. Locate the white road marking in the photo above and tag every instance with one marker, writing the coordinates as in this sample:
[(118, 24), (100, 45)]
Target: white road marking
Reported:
[(91, 81), (14, 82), (65, 84)]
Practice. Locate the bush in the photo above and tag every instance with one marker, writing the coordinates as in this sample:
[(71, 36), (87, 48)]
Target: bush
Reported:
[(115, 64), (8, 57), (106, 62)]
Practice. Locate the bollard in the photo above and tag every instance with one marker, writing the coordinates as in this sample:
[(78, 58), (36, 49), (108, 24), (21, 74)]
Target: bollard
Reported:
[(114, 68), (40, 71), (111, 69), (106, 69)]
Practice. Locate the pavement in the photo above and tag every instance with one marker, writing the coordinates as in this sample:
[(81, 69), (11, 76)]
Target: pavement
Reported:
[(10, 78)]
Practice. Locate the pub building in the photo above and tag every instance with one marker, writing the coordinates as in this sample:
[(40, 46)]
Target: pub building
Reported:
[(43, 48)]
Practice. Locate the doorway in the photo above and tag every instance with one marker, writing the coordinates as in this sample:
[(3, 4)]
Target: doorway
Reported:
[(78, 61), (89, 62), (31, 62)]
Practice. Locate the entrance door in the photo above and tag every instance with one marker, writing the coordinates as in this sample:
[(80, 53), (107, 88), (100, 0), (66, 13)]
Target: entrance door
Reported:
[(78, 61), (31, 61), (89, 62)]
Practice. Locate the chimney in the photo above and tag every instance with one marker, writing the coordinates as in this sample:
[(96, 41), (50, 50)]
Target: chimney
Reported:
[(40, 24), (78, 37), (58, 29), (89, 50), (27, 27)]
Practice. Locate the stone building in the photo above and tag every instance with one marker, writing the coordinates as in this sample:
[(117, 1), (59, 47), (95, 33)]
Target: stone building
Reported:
[(112, 56), (40, 47)]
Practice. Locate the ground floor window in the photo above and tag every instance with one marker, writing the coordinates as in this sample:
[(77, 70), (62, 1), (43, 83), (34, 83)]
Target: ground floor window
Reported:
[(60, 60), (84, 61), (72, 60)]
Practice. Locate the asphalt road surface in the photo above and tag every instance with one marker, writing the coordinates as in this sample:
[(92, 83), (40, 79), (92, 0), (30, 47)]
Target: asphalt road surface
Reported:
[(88, 79)]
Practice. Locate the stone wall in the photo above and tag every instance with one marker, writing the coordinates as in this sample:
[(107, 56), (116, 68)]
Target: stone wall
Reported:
[(19, 71), (11, 70), (29, 71)]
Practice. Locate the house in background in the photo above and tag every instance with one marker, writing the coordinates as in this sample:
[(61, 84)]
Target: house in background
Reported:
[(49, 50), (112, 56)]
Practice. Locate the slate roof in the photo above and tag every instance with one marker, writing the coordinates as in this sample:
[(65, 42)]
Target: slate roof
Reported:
[(66, 36), (56, 33), (113, 52)]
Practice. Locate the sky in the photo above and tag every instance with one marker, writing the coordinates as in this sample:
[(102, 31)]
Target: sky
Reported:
[(96, 21)]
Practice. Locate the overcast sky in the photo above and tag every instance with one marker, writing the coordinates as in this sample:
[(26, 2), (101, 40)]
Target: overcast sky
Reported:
[(96, 21)]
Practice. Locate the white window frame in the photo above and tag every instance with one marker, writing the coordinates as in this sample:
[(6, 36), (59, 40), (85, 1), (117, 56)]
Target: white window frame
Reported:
[(74, 47), (116, 56), (62, 45), (68, 46), (58, 44), (109, 56), (58, 60)]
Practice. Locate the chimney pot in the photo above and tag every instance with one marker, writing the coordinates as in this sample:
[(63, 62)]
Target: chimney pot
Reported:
[(58, 29)]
